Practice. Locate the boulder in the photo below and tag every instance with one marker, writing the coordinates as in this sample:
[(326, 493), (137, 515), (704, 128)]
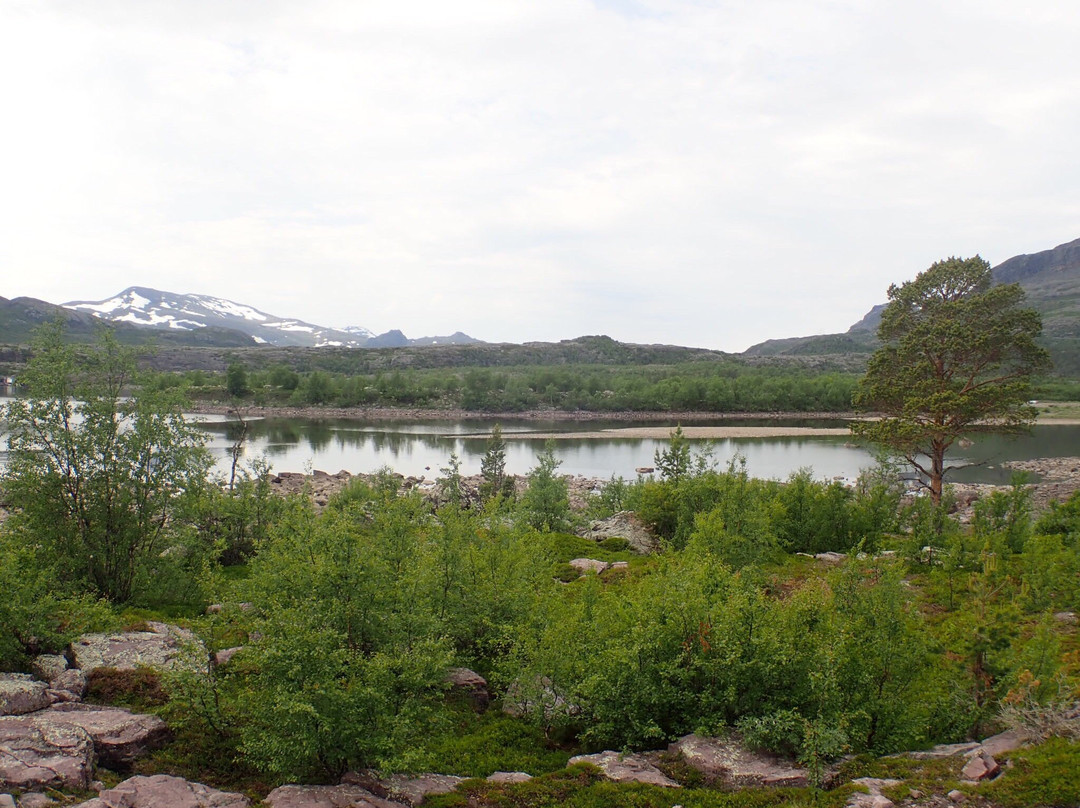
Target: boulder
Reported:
[(70, 681), (980, 766), (624, 525), (340, 796), (627, 769), (160, 646), (587, 565), (47, 667), (161, 790), (20, 694), (35, 799), (469, 685), (42, 755), (726, 760), (224, 656), (120, 737), (402, 788), (7, 801), (509, 777)]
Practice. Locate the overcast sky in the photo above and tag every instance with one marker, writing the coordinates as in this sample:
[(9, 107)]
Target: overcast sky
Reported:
[(709, 173)]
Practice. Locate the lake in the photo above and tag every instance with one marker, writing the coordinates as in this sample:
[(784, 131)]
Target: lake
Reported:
[(421, 448)]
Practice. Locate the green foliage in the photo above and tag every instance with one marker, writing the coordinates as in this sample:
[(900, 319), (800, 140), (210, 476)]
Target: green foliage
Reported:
[(674, 461), (1044, 775), (95, 476), (958, 356), (236, 380), (496, 482), (546, 503)]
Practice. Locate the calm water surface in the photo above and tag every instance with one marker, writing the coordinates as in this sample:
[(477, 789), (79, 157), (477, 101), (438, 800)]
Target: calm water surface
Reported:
[(421, 447)]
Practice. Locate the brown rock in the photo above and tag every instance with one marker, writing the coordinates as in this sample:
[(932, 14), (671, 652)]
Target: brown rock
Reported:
[(340, 796), (120, 737), (70, 681), (627, 769), (165, 791), (47, 667), (726, 760), (223, 657), (35, 755), (981, 766), (470, 685), (20, 694)]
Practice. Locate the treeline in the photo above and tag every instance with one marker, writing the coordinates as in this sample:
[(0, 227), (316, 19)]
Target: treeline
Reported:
[(727, 386)]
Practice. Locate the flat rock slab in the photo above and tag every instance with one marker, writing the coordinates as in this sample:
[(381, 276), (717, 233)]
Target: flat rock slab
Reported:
[(20, 694), (160, 646), (942, 750), (403, 788), (37, 755), (587, 565), (624, 525), (509, 777), (726, 760), (1003, 742), (165, 791), (120, 737), (627, 769), (340, 796)]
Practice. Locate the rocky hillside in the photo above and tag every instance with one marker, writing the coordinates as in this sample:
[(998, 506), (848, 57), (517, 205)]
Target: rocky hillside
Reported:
[(1050, 278)]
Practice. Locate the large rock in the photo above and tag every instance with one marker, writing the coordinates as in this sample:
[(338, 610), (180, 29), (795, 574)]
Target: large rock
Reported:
[(470, 685), (627, 768), (728, 761), (509, 777), (341, 796), (160, 646), (624, 525), (70, 681), (403, 788), (165, 791), (942, 750), (120, 737), (1007, 741), (47, 667), (20, 694), (42, 755), (873, 798), (587, 565), (980, 766)]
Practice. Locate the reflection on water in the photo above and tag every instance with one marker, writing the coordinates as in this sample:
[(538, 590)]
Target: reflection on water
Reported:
[(422, 448)]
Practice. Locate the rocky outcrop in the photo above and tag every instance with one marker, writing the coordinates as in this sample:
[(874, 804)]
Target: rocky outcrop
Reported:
[(70, 682), (20, 694), (165, 791), (401, 788), (587, 565), (47, 667), (120, 737), (469, 685), (624, 525), (627, 768), (340, 796), (160, 646), (873, 798), (727, 761), (38, 754)]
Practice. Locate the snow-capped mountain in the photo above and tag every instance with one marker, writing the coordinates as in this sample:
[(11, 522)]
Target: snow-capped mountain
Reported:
[(139, 305)]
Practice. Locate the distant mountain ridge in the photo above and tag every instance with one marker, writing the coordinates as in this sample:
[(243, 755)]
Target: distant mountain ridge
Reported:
[(1050, 279), (168, 311)]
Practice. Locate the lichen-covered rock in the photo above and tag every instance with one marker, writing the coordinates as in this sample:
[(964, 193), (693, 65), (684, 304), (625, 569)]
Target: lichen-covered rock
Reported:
[(1007, 741), (47, 667), (873, 798), (624, 525), (161, 646), (627, 768), (942, 750), (587, 565), (728, 761), (35, 799), (20, 694), (980, 766), (120, 737), (70, 681), (469, 685), (165, 791), (42, 755), (340, 796), (403, 788)]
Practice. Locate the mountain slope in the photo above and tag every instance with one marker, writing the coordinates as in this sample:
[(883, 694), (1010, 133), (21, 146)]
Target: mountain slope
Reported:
[(1051, 280), (20, 316)]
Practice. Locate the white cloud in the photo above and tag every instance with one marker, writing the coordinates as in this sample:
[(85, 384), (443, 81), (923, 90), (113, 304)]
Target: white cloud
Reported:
[(700, 173)]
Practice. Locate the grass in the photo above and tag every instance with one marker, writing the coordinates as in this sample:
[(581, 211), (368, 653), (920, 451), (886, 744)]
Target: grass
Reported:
[(1045, 775)]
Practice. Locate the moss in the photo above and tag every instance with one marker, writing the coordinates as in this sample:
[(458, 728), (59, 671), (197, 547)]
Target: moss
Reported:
[(140, 690), (1044, 775)]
